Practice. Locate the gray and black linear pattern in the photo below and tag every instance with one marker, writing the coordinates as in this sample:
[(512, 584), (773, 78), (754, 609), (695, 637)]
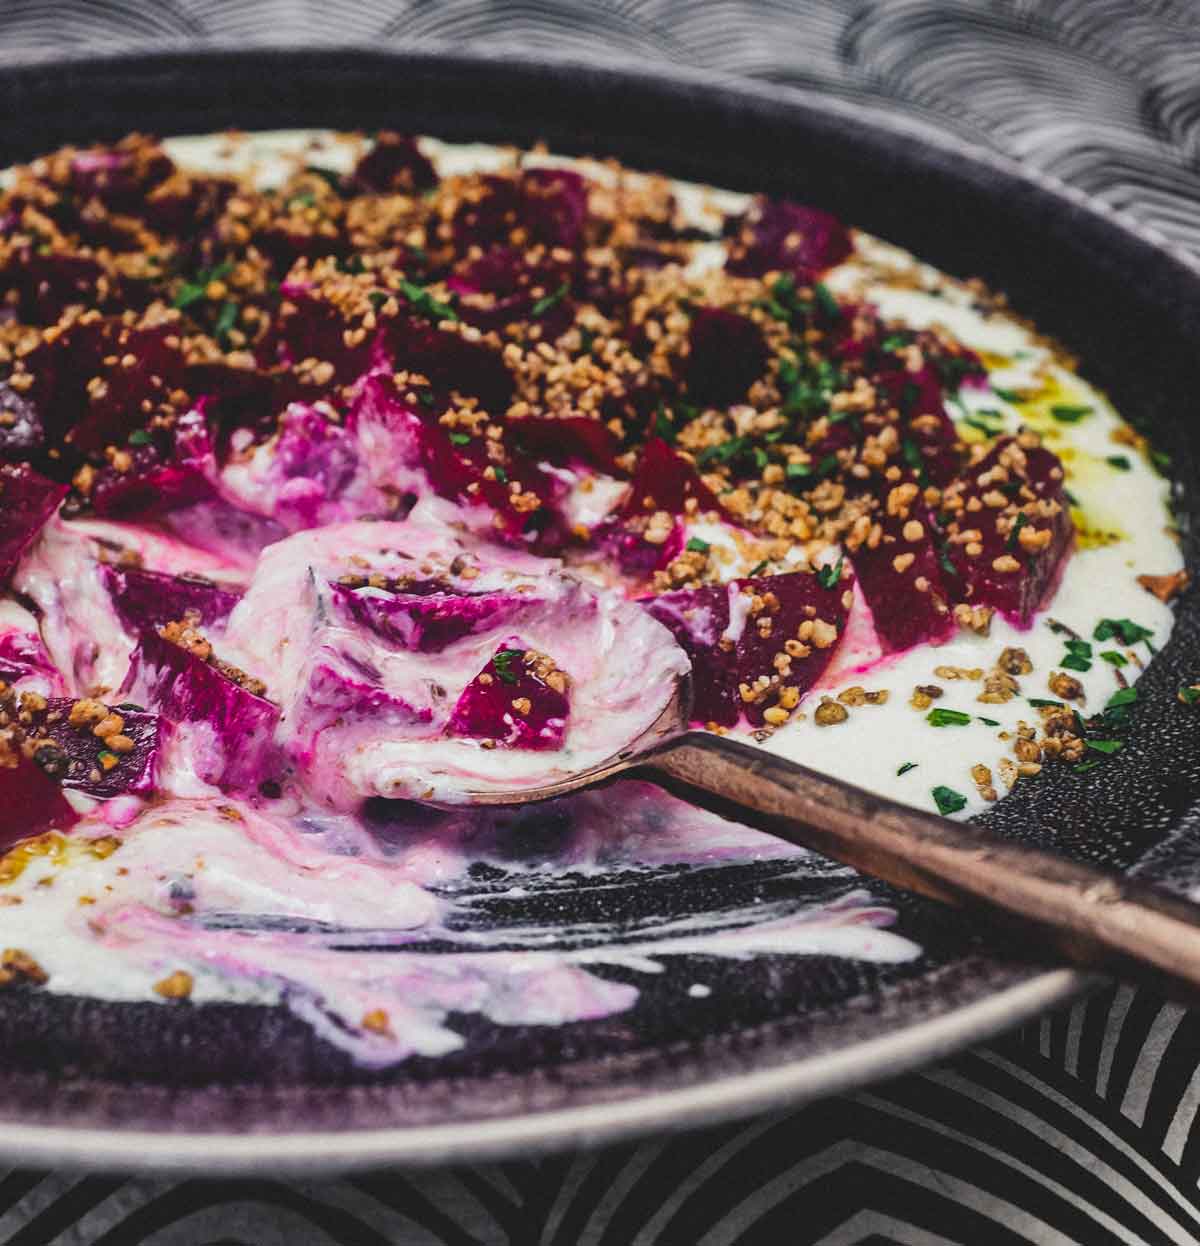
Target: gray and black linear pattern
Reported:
[(1081, 1129)]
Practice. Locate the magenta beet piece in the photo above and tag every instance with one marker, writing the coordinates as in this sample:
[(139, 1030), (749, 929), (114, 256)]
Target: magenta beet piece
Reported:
[(450, 362), (27, 500), (335, 694), (84, 755), (146, 600), (905, 614), (184, 689), (394, 164), (666, 481), (726, 356), (932, 448), (553, 206), (732, 649), (486, 708), (568, 442), (119, 176), (48, 284), (25, 435), (1014, 507), (698, 618), (30, 803), (170, 469), (501, 287), (777, 235), (315, 328), (426, 617)]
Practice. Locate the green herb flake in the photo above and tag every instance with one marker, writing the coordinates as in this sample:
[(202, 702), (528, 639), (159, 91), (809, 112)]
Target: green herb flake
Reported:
[(1114, 658), (948, 800), (825, 301), (1125, 630), (1041, 704), (1067, 413), (987, 722), (906, 767), (139, 437), (1189, 694), (425, 304), (1119, 461), (799, 471), (1123, 696), (1161, 461), (502, 663), (501, 475), (1085, 766), (543, 305), (828, 465), (1014, 531), (757, 569), (696, 546), (1073, 662), (1008, 395), (829, 577), (226, 320), (332, 176), (724, 452), (947, 718), (1106, 746), (460, 439)]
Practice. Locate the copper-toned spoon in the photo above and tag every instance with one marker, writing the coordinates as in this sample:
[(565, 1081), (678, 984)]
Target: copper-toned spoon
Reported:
[(1057, 908)]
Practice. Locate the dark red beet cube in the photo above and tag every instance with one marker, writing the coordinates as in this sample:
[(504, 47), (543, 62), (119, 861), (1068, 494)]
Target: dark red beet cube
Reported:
[(1013, 507), (909, 604), (27, 500), (777, 235), (394, 164), (90, 765), (427, 621), (735, 647), (184, 689), (508, 703), (30, 803), (147, 600), (726, 355)]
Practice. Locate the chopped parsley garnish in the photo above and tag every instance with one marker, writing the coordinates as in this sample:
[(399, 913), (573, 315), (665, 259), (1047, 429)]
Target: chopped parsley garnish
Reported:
[(1123, 696), (906, 767), (830, 576), (1119, 461), (1067, 413), (226, 319), (1161, 461), (1014, 531), (947, 718), (757, 569), (460, 439), (1008, 395), (331, 176), (196, 289), (798, 471), (828, 465), (1127, 631), (425, 304), (501, 475), (663, 426), (1040, 703), (987, 420), (1189, 694), (139, 437), (1106, 746), (987, 722), (502, 663), (543, 305), (696, 546), (1113, 657), (948, 800), (723, 452), (827, 304), (892, 343), (1079, 656), (1085, 766)]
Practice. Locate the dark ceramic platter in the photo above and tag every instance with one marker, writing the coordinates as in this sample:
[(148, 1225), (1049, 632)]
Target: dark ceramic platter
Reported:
[(237, 1087)]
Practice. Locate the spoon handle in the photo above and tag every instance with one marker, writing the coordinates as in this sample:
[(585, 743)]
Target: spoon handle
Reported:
[(1058, 907)]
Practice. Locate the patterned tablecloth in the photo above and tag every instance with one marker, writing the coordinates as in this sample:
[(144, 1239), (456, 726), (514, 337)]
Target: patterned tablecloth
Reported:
[(1078, 1129)]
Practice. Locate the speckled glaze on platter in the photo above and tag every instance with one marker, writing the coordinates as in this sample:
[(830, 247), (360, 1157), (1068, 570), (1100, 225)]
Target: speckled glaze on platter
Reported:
[(234, 1087)]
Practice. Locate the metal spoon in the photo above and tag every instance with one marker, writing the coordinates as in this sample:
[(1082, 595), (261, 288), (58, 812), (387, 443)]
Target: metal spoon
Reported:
[(1055, 907)]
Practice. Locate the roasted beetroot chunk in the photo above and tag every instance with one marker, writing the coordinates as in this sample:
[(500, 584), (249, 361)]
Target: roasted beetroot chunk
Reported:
[(1008, 527), (233, 725), (22, 656), (146, 600), (21, 433), (30, 802), (903, 579), (511, 702), (733, 635), (394, 164), (27, 500), (777, 235), (726, 355), (426, 616), (94, 765)]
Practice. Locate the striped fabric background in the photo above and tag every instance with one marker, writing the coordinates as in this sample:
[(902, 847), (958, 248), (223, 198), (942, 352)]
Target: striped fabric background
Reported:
[(1080, 1129)]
